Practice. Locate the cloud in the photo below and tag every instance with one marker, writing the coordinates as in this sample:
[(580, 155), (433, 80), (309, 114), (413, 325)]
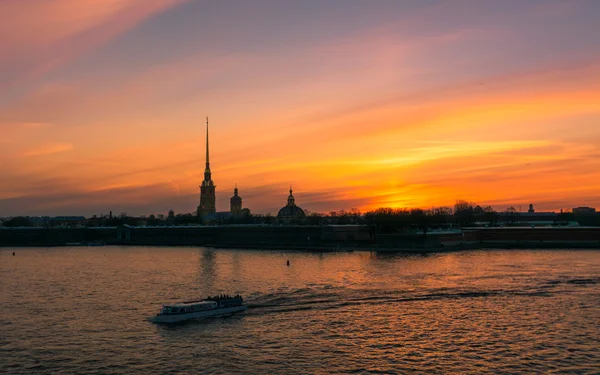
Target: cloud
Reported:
[(134, 200), (41, 36), (49, 149), (397, 112)]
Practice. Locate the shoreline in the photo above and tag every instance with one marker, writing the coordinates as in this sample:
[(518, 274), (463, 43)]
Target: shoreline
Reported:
[(308, 238), (491, 245)]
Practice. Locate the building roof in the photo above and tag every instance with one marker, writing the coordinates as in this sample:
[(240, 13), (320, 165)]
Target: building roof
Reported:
[(291, 211)]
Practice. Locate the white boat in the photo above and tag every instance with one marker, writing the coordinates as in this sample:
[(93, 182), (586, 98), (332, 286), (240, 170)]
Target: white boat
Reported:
[(211, 307)]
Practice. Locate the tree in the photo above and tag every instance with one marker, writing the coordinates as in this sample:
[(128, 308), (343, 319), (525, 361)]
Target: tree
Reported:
[(463, 213), (186, 219), (152, 220), (388, 220), (269, 219), (510, 215), (314, 218), (441, 216), (490, 216), (18, 221), (420, 219)]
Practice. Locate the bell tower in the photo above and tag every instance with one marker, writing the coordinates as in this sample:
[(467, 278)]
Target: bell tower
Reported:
[(291, 200), (236, 202), (207, 189)]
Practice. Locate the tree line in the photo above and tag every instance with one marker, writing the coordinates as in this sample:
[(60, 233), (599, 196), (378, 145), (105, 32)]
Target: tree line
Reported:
[(385, 219)]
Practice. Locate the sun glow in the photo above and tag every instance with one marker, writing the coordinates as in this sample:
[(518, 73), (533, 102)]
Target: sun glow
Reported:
[(368, 114)]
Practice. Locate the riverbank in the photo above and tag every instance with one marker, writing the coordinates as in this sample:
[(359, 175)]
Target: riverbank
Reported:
[(440, 249), (308, 238), (502, 245)]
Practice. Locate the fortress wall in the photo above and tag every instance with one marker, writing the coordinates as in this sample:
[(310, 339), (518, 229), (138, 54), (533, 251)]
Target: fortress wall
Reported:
[(540, 234), (292, 236), (54, 236), (224, 235)]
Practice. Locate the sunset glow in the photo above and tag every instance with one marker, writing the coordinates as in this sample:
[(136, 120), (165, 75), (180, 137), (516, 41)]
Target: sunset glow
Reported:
[(356, 104)]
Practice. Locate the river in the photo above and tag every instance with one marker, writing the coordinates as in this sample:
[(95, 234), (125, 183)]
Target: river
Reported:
[(83, 310)]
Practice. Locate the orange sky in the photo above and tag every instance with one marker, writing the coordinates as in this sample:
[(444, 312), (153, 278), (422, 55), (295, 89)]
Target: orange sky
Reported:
[(357, 104)]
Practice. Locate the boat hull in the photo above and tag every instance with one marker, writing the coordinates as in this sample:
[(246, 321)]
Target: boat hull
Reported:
[(218, 312)]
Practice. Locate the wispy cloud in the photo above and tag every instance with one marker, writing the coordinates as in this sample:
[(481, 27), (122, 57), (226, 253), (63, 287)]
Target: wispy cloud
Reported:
[(41, 36), (49, 149), (404, 104)]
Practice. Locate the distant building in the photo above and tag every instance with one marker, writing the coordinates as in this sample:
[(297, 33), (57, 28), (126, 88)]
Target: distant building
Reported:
[(291, 213), (236, 203), (64, 221), (207, 206), (536, 218), (221, 217), (171, 217), (584, 210)]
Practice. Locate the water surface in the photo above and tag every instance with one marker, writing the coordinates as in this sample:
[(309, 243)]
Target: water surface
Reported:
[(83, 310)]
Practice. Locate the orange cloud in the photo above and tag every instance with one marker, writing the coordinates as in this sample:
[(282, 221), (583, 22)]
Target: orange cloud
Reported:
[(49, 149), (357, 123)]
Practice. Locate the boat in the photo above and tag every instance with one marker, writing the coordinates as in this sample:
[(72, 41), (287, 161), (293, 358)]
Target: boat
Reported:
[(210, 307)]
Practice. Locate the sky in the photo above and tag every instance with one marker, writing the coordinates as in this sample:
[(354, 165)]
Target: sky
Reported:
[(356, 104)]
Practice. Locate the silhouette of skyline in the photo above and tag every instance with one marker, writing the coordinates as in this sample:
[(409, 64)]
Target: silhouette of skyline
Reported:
[(358, 104)]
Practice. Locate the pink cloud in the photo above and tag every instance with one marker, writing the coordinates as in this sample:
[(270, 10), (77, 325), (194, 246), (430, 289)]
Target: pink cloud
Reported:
[(40, 36)]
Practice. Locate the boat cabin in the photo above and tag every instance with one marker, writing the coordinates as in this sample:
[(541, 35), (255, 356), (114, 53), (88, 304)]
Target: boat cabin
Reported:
[(188, 307)]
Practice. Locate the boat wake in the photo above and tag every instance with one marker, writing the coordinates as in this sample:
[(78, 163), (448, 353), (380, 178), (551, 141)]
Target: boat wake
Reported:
[(330, 297)]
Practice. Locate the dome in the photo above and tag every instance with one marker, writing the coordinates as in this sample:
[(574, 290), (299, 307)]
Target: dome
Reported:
[(236, 198), (291, 212)]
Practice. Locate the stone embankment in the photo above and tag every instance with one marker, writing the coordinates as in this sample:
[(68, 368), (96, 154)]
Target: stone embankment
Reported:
[(311, 238)]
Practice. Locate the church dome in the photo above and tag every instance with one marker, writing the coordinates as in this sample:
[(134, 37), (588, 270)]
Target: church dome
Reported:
[(291, 211), (236, 198), (236, 202)]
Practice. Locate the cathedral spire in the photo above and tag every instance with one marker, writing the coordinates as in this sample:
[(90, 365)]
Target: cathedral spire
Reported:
[(207, 189), (207, 159), (207, 175), (291, 200)]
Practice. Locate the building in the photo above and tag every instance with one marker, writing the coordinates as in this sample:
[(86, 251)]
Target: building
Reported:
[(207, 206), (536, 218), (584, 210), (236, 203), (60, 221), (291, 213), (171, 217)]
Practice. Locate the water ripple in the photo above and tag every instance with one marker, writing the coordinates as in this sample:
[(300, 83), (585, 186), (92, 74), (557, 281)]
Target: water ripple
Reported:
[(84, 311)]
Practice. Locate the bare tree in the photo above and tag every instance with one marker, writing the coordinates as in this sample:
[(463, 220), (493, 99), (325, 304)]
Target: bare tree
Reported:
[(463, 212), (511, 214)]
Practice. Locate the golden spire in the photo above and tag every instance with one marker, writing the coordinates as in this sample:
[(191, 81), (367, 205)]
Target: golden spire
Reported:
[(207, 160)]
